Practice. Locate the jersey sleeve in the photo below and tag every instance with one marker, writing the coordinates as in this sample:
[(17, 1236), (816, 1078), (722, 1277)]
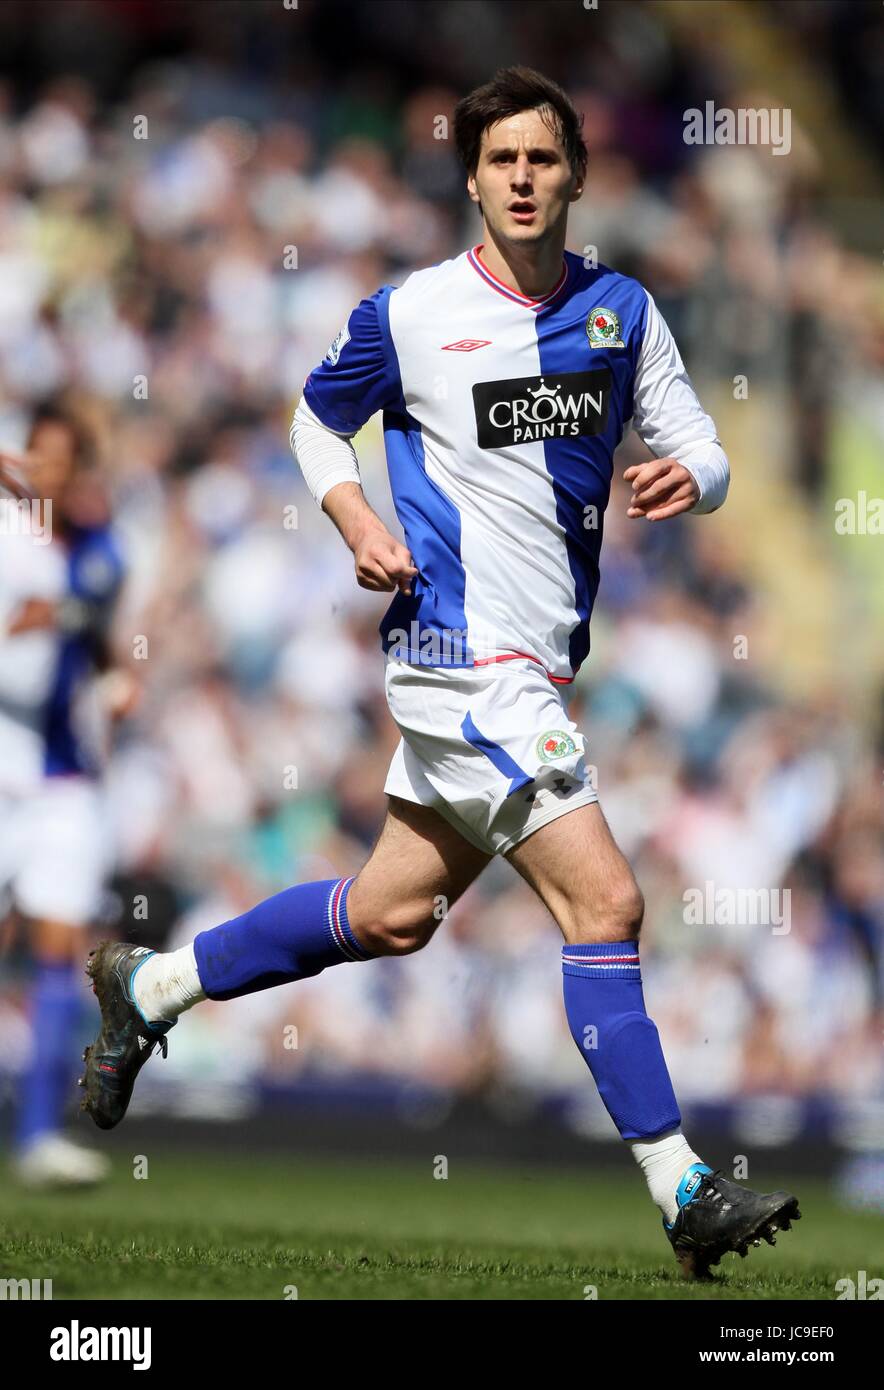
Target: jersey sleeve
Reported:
[(669, 418), (359, 374), (324, 457)]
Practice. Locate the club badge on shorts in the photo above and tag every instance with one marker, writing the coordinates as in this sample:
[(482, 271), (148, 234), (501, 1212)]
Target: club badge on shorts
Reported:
[(603, 329), (555, 743)]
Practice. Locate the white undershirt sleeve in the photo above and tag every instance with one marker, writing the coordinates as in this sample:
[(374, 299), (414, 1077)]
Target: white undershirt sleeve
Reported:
[(668, 417), (324, 457)]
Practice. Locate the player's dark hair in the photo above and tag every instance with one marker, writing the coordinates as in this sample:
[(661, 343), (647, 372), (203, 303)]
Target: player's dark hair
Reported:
[(510, 91)]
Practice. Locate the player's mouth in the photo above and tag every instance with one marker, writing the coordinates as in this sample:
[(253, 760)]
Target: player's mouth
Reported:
[(523, 211)]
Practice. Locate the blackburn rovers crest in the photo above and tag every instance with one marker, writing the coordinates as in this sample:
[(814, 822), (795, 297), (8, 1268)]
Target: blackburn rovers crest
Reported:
[(603, 329), (555, 743)]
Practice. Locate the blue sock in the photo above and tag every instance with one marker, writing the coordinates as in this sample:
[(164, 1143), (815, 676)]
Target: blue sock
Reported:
[(55, 1000), (621, 1045), (291, 936)]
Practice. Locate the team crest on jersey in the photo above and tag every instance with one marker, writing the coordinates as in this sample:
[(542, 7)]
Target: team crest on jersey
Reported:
[(555, 743), (603, 329), (338, 346)]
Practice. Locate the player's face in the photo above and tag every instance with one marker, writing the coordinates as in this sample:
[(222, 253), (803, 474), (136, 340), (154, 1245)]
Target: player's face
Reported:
[(523, 179), (52, 458)]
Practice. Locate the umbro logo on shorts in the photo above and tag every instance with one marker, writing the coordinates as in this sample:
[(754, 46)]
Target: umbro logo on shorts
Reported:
[(557, 405)]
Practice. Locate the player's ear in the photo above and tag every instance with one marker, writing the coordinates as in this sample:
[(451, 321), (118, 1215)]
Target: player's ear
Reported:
[(471, 187)]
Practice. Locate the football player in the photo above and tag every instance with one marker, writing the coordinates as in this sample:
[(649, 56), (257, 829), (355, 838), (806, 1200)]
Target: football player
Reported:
[(507, 377), (60, 573)]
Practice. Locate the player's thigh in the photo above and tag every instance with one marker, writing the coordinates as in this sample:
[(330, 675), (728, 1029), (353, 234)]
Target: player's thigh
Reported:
[(419, 866), (574, 865)]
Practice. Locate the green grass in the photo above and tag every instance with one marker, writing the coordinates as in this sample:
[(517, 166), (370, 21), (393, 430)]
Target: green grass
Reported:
[(214, 1227)]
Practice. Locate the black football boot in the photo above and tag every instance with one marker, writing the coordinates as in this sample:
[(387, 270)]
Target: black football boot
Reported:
[(125, 1041), (716, 1215)]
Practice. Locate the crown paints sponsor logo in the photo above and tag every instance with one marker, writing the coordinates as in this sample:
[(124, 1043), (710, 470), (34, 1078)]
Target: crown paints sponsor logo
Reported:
[(745, 126), (530, 408), (76, 1343)]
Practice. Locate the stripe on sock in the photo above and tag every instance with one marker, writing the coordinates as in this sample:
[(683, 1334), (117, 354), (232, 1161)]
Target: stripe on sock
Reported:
[(602, 958), (338, 926)]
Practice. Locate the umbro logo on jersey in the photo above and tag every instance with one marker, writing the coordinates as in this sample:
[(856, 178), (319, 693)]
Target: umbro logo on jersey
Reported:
[(142, 1043), (553, 406), (466, 345)]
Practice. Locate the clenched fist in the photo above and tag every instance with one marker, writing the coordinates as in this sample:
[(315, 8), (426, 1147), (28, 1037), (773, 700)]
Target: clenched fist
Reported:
[(382, 562), (661, 488)]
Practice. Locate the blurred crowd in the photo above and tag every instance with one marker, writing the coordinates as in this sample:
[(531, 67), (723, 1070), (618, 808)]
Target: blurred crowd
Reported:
[(186, 222)]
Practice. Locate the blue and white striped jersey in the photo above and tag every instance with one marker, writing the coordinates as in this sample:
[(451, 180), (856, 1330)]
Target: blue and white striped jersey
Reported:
[(48, 725), (501, 417)]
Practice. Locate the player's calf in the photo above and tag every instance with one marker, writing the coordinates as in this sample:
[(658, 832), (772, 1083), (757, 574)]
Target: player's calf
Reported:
[(291, 936), (394, 929)]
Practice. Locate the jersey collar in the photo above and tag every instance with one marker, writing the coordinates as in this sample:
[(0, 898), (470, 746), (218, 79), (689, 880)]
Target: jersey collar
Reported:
[(491, 279)]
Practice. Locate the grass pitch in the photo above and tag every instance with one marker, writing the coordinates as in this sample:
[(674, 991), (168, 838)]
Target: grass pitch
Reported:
[(210, 1226)]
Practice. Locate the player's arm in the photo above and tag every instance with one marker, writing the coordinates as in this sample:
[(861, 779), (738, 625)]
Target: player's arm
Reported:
[(331, 471), (94, 615), (358, 376), (13, 474), (35, 613), (690, 470)]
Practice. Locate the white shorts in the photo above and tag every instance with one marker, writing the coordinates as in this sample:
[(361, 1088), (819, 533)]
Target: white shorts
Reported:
[(491, 748), (54, 851)]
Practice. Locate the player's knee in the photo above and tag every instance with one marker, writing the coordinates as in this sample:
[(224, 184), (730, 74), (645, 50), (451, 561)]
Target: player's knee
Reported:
[(624, 911), (632, 911), (614, 916), (398, 931)]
